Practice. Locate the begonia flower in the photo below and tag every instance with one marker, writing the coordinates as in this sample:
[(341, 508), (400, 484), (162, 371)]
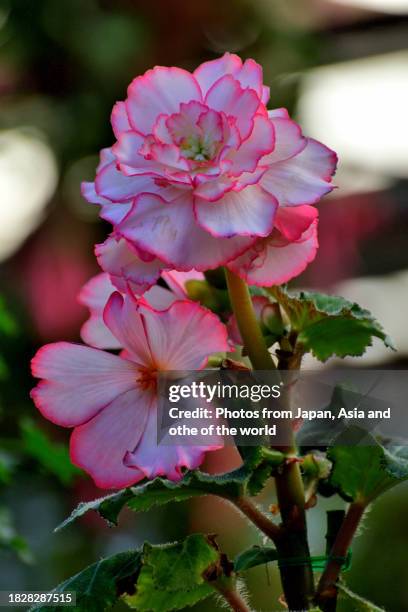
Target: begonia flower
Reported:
[(111, 400), (285, 253), (96, 292), (200, 169)]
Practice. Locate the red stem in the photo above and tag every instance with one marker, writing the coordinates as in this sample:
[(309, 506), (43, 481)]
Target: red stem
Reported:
[(258, 518), (326, 589)]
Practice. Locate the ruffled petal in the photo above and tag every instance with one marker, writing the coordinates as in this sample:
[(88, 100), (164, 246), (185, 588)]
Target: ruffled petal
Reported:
[(112, 212), (251, 75), (293, 221), (289, 140), (183, 337), (210, 72), (276, 261), (248, 74), (78, 381), (304, 178), (114, 186), (249, 212), (88, 191), (120, 119), (116, 257), (169, 231), (212, 190), (169, 156), (100, 446), (278, 112), (260, 143), (159, 91), (227, 95), (184, 123), (115, 213)]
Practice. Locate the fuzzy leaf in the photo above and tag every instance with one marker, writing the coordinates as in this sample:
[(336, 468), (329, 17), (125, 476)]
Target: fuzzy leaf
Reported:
[(173, 576), (329, 325), (363, 471), (257, 555), (100, 585), (248, 479)]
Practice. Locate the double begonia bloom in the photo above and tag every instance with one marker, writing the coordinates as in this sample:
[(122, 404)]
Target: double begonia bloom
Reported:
[(111, 400), (201, 176)]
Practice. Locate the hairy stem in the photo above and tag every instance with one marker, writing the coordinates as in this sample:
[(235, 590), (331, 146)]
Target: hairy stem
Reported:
[(229, 592), (326, 590), (258, 518), (297, 580)]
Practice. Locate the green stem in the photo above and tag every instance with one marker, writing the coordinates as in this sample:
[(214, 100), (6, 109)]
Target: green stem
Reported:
[(248, 325), (297, 581)]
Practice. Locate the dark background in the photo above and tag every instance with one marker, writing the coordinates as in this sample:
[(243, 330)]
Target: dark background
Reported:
[(342, 70)]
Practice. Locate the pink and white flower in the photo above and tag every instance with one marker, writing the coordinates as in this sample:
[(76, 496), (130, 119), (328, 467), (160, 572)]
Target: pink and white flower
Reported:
[(111, 400), (285, 253), (200, 169), (96, 292)]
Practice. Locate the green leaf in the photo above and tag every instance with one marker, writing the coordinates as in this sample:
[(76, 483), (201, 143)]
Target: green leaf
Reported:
[(52, 456), (362, 468), (100, 585), (257, 555), (329, 325), (321, 432), (173, 576), (358, 602), (248, 479), (10, 539)]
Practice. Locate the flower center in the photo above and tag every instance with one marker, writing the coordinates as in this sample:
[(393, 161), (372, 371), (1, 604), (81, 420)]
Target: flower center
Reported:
[(147, 379), (197, 148)]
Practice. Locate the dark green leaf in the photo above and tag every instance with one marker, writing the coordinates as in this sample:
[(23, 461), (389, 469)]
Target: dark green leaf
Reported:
[(52, 456), (257, 555), (321, 432), (100, 585), (173, 576), (362, 468), (248, 479), (329, 325)]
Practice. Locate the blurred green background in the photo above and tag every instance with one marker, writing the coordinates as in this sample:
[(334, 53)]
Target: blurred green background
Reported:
[(342, 69)]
